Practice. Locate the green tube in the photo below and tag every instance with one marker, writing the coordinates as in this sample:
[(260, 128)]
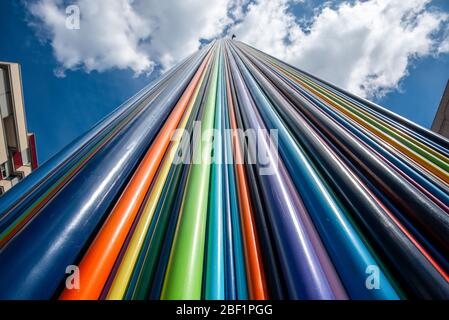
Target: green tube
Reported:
[(183, 280)]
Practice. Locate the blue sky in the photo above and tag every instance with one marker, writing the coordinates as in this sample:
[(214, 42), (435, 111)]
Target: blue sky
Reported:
[(421, 91), (59, 109)]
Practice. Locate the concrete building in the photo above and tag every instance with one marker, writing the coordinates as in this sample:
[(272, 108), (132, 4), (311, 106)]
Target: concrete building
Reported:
[(18, 155), (441, 122)]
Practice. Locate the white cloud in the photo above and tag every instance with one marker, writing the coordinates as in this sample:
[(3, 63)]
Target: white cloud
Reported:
[(181, 24), (366, 47), (444, 47), (109, 36), (133, 34)]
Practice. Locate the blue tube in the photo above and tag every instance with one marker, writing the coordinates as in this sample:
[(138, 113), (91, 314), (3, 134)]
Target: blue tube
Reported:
[(214, 287), (236, 277)]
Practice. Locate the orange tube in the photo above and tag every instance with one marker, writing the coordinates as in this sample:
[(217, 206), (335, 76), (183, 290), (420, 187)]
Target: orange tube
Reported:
[(253, 259), (99, 260)]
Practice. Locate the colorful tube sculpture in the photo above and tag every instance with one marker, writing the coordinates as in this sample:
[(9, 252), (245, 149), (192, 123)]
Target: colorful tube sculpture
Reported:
[(234, 176)]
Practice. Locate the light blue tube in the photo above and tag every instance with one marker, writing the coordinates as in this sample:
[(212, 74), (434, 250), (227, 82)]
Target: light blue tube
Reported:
[(237, 242), (214, 288)]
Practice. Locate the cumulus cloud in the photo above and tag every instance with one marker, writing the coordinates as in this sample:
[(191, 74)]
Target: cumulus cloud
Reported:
[(444, 46), (366, 47), (135, 34), (110, 35), (181, 24)]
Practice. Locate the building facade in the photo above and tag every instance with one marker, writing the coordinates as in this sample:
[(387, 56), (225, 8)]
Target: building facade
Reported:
[(441, 122), (18, 155)]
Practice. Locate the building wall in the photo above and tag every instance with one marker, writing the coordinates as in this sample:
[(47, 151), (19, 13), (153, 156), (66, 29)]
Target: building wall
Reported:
[(441, 122), (17, 147)]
